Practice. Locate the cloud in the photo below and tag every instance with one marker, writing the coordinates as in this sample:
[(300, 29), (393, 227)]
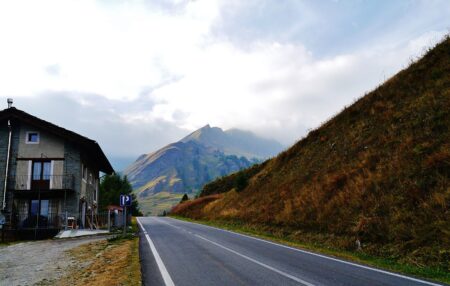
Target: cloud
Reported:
[(53, 70), (278, 89), (136, 75), (101, 119), (114, 49)]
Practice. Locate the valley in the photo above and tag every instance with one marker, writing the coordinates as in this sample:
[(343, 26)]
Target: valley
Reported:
[(160, 178)]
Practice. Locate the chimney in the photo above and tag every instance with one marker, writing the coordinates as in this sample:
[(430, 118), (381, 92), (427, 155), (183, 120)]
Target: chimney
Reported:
[(10, 102)]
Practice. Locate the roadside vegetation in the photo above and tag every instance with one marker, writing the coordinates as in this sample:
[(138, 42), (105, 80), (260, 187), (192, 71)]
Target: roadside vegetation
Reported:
[(107, 262), (377, 175), (111, 187)]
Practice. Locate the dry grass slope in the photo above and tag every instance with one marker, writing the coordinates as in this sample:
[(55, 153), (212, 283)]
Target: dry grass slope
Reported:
[(378, 172)]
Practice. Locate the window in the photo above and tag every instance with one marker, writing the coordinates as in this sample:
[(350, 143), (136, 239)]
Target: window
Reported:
[(41, 174), (42, 210), (32, 137)]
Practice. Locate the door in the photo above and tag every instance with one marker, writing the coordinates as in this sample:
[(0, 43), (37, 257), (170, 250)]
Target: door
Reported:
[(38, 214), (41, 174)]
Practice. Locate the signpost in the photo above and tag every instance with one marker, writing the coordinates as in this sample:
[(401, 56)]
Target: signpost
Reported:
[(125, 201)]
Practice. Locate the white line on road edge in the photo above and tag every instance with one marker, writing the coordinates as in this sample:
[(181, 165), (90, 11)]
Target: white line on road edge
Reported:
[(296, 279), (162, 268), (319, 255)]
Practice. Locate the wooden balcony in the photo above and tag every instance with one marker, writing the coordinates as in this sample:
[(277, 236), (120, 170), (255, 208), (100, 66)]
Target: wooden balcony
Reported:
[(46, 186)]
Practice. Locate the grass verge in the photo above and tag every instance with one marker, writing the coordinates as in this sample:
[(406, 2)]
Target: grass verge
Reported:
[(107, 262), (431, 273)]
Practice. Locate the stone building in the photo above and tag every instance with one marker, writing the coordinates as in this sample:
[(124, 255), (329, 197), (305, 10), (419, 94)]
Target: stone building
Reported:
[(48, 175)]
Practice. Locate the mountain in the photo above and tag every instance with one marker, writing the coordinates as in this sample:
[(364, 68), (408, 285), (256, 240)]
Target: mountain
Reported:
[(378, 172), (235, 142), (181, 167), (185, 166)]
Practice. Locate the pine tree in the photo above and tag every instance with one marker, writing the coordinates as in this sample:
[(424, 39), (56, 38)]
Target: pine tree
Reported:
[(184, 198), (111, 187)]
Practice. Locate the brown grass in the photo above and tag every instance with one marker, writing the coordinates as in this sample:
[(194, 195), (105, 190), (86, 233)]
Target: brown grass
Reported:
[(194, 205), (105, 263)]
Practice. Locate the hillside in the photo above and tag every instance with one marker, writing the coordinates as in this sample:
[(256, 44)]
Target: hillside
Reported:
[(185, 166), (378, 172)]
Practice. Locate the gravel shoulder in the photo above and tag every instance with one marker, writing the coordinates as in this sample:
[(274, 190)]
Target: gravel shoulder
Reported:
[(35, 262)]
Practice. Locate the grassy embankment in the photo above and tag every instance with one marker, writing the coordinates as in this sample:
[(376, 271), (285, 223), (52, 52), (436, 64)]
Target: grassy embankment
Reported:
[(108, 262), (378, 172)]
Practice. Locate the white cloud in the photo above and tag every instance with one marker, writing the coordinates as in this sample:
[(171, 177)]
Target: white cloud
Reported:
[(112, 50), (278, 89), (173, 66)]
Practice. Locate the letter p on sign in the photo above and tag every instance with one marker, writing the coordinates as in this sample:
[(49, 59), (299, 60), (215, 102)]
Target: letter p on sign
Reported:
[(125, 200)]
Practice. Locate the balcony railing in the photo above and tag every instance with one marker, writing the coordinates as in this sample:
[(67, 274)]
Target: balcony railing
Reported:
[(52, 182)]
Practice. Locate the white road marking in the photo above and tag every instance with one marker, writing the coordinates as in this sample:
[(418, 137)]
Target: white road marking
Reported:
[(162, 268), (319, 255), (296, 279)]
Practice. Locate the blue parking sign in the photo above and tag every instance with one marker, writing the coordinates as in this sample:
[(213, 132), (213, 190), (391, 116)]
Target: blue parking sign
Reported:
[(125, 200)]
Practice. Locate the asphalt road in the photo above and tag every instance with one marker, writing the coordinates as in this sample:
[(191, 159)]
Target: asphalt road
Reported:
[(175, 252)]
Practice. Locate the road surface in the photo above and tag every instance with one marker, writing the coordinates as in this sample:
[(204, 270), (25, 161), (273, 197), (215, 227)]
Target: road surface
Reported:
[(175, 252)]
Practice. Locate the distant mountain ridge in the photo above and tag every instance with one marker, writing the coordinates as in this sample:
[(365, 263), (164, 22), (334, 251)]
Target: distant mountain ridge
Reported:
[(235, 142), (185, 166)]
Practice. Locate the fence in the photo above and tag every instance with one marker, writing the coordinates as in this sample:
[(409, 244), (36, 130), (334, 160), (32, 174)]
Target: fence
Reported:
[(27, 221), (33, 226), (101, 220)]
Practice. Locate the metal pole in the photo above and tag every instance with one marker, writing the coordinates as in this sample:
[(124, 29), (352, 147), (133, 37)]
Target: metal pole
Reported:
[(125, 220), (38, 212), (67, 221), (65, 206), (7, 166), (109, 220)]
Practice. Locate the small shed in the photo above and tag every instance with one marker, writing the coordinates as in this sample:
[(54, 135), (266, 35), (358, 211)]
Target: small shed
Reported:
[(115, 214)]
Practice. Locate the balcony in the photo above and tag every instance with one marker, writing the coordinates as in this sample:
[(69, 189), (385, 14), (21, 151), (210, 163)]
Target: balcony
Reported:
[(51, 184)]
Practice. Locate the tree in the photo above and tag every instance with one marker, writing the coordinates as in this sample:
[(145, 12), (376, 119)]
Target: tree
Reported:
[(111, 187), (184, 198), (241, 181)]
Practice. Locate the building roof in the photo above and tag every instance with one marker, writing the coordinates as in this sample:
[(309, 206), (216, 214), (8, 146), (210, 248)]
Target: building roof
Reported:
[(89, 145), (114, 207)]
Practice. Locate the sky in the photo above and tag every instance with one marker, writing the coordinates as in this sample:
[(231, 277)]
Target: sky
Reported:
[(137, 75)]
